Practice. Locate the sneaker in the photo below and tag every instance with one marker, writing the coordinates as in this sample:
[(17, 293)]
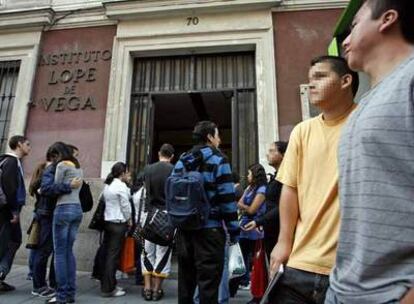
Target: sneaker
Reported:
[(4, 287), (120, 288), (115, 293), (245, 287), (54, 301), (2, 276), (29, 277), (44, 292), (118, 293)]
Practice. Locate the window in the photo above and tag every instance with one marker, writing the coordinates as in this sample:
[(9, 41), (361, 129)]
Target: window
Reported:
[(9, 71)]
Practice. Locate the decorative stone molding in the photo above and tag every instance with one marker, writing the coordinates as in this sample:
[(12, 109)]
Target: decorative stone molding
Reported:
[(26, 18), (23, 4), (225, 32), (129, 9), (81, 18), (301, 5), (66, 5)]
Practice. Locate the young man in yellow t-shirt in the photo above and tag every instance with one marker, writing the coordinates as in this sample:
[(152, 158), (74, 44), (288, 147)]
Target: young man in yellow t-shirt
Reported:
[(309, 206)]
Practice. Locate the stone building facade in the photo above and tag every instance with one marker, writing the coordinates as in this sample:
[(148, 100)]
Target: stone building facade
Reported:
[(118, 78)]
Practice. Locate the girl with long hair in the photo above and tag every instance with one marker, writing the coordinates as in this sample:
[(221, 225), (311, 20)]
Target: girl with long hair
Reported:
[(43, 187), (67, 217), (251, 206)]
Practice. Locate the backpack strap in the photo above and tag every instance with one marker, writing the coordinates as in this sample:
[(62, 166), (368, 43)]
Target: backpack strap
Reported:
[(3, 161)]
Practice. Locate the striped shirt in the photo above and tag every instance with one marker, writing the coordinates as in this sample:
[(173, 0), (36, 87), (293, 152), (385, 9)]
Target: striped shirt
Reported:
[(375, 256), (218, 184)]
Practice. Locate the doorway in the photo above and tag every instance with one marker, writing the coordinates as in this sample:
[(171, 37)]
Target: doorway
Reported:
[(171, 94), (175, 116)]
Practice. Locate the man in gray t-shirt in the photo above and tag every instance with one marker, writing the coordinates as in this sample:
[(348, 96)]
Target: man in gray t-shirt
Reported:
[(375, 256)]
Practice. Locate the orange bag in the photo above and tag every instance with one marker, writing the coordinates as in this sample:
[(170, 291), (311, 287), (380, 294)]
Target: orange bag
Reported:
[(259, 276), (127, 261)]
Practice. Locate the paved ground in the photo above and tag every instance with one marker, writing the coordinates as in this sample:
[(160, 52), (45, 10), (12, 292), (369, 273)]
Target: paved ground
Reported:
[(88, 291)]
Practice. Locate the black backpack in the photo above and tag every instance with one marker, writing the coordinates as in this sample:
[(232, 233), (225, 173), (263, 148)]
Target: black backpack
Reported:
[(85, 197)]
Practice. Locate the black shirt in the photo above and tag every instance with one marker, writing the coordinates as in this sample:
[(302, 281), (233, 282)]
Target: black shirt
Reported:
[(155, 178)]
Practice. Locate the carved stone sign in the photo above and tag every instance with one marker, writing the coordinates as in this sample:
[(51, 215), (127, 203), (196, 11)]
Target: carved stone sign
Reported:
[(66, 80), (70, 94)]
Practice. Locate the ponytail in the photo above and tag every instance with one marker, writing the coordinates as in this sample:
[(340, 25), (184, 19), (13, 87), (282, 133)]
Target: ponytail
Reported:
[(109, 179), (116, 171)]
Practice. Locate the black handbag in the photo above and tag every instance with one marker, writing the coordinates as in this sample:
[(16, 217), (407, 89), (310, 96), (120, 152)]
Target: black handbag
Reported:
[(98, 218), (157, 227)]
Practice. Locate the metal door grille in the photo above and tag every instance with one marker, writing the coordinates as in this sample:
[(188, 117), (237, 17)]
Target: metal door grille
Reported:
[(9, 71), (233, 72), (194, 73)]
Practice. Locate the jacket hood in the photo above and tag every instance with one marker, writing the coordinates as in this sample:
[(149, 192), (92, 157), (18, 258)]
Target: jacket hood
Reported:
[(196, 156)]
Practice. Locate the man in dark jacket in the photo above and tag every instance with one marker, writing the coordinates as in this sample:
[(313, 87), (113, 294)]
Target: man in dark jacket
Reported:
[(201, 252), (270, 220), (12, 183)]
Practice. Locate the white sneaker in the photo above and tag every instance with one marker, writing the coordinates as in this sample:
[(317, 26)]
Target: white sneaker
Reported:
[(247, 287), (118, 293)]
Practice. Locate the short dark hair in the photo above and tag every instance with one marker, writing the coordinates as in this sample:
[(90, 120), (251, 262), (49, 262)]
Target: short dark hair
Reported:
[(167, 150), (405, 9), (281, 146), (340, 67), (15, 140), (202, 129)]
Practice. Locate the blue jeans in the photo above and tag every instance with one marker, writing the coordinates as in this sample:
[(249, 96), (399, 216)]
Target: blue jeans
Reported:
[(66, 221), (300, 287), (224, 293), (42, 254), (32, 253)]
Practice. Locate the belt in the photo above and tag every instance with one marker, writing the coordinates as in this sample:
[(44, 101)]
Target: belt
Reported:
[(117, 222)]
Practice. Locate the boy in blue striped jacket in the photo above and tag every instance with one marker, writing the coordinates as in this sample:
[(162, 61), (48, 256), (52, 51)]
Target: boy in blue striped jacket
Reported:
[(201, 252)]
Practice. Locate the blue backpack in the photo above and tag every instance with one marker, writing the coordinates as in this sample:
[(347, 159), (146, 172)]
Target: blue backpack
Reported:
[(187, 204)]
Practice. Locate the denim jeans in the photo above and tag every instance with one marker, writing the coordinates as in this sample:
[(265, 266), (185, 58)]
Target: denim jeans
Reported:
[(32, 253), (66, 221), (300, 287), (42, 253), (14, 232), (224, 293)]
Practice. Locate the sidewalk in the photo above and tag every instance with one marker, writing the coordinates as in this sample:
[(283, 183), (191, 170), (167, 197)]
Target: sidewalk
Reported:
[(89, 292)]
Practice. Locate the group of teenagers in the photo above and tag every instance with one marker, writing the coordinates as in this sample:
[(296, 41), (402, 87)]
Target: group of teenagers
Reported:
[(345, 208), (337, 214)]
